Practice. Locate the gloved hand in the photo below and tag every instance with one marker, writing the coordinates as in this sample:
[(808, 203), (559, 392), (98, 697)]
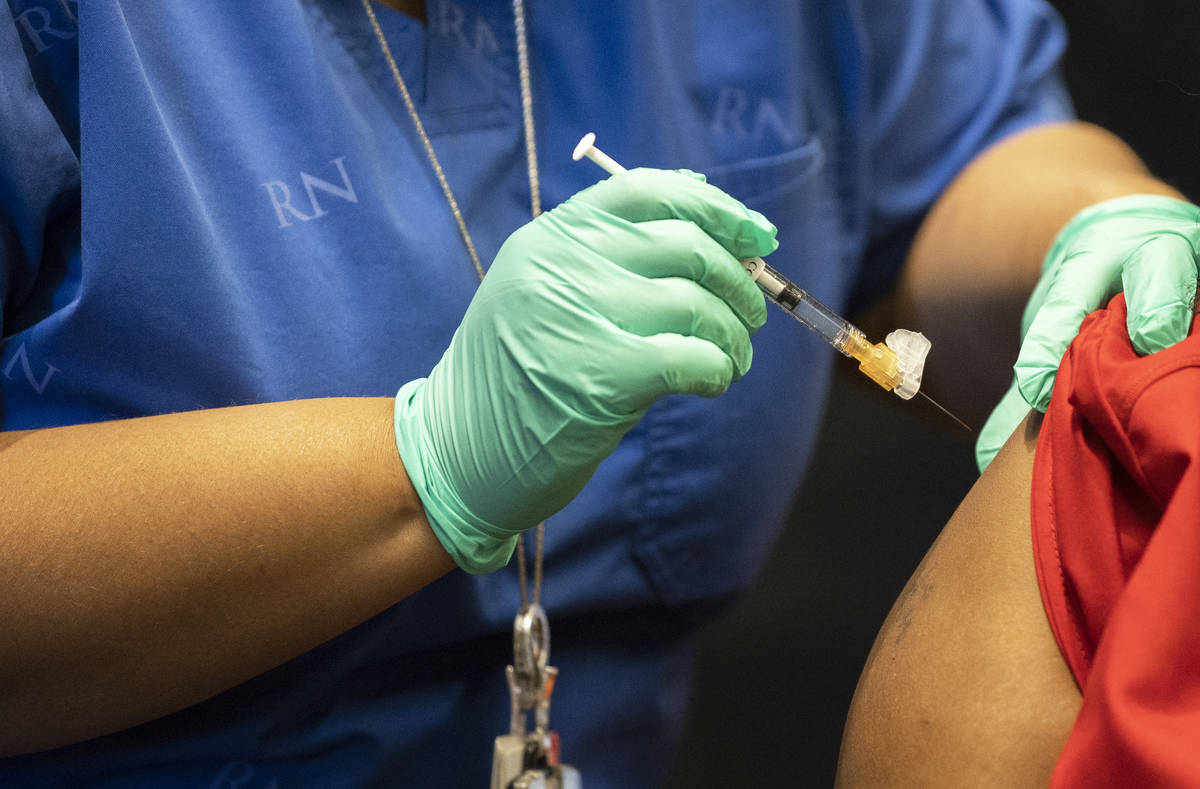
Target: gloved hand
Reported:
[(1145, 245), (628, 291)]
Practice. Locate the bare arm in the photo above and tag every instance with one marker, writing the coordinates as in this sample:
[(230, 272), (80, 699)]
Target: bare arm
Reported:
[(979, 252), (965, 685), (151, 563)]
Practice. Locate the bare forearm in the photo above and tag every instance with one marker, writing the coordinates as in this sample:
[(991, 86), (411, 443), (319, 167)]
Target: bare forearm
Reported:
[(151, 563), (979, 252)]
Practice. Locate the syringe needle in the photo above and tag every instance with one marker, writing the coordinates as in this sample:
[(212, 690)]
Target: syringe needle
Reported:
[(944, 411)]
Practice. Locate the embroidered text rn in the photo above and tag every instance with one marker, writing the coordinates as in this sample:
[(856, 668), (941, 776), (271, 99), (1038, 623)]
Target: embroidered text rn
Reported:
[(281, 196), (43, 26), (20, 355), (744, 117)]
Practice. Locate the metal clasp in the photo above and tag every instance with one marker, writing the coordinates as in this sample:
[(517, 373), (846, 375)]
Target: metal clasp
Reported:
[(530, 678)]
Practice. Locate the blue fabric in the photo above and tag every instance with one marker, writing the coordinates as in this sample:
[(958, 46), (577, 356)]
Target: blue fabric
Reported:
[(258, 222)]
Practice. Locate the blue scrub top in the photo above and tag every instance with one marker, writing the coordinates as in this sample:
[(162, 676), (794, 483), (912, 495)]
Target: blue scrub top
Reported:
[(253, 219)]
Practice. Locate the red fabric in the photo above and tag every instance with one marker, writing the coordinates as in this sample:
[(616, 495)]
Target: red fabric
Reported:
[(1116, 537)]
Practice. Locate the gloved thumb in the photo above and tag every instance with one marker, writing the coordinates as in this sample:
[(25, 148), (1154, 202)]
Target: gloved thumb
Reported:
[(1073, 292), (1161, 303)]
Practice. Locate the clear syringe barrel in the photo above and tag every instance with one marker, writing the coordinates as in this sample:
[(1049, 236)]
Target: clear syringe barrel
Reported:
[(877, 361), (834, 329)]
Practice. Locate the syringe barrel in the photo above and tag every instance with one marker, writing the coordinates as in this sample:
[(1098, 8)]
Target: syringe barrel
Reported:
[(801, 305), (877, 361)]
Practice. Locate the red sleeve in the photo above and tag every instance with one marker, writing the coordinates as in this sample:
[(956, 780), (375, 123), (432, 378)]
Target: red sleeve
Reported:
[(1116, 535)]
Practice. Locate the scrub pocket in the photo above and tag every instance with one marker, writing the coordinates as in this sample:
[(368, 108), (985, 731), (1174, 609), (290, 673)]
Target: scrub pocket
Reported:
[(766, 180)]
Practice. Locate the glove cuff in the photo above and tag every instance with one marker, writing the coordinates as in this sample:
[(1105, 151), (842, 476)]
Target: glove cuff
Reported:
[(475, 545)]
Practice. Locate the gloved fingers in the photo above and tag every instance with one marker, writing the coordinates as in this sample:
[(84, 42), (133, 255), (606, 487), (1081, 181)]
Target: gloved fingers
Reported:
[(1080, 286), (675, 248), (1001, 423), (677, 364), (1103, 233), (674, 305), (644, 195), (1159, 280)]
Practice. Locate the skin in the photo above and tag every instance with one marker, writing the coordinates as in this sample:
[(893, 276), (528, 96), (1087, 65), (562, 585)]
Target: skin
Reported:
[(965, 685), (414, 8), (152, 563)]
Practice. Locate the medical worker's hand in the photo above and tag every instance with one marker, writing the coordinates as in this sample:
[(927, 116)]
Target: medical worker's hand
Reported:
[(628, 291), (1144, 245)]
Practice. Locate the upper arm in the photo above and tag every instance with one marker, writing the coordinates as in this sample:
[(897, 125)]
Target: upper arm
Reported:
[(965, 685)]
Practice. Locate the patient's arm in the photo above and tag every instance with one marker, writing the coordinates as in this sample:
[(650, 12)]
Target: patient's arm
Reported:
[(965, 685)]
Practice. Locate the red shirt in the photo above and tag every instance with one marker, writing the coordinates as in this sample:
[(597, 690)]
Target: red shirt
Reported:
[(1116, 538)]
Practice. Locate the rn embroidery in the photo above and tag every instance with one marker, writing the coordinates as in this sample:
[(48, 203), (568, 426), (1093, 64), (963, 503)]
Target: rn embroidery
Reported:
[(44, 27), (281, 196), (742, 117), (23, 357), (448, 21)]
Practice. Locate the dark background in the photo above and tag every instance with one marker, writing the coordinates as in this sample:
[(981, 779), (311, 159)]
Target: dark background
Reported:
[(778, 669)]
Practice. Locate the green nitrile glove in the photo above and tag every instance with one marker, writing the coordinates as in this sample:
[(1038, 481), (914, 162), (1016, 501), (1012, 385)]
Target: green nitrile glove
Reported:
[(1144, 245), (628, 291)]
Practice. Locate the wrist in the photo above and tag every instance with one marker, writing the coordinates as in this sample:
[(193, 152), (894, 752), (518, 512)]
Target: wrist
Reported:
[(474, 544)]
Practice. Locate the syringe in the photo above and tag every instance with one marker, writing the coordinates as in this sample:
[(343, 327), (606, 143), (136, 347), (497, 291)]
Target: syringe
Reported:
[(895, 364)]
